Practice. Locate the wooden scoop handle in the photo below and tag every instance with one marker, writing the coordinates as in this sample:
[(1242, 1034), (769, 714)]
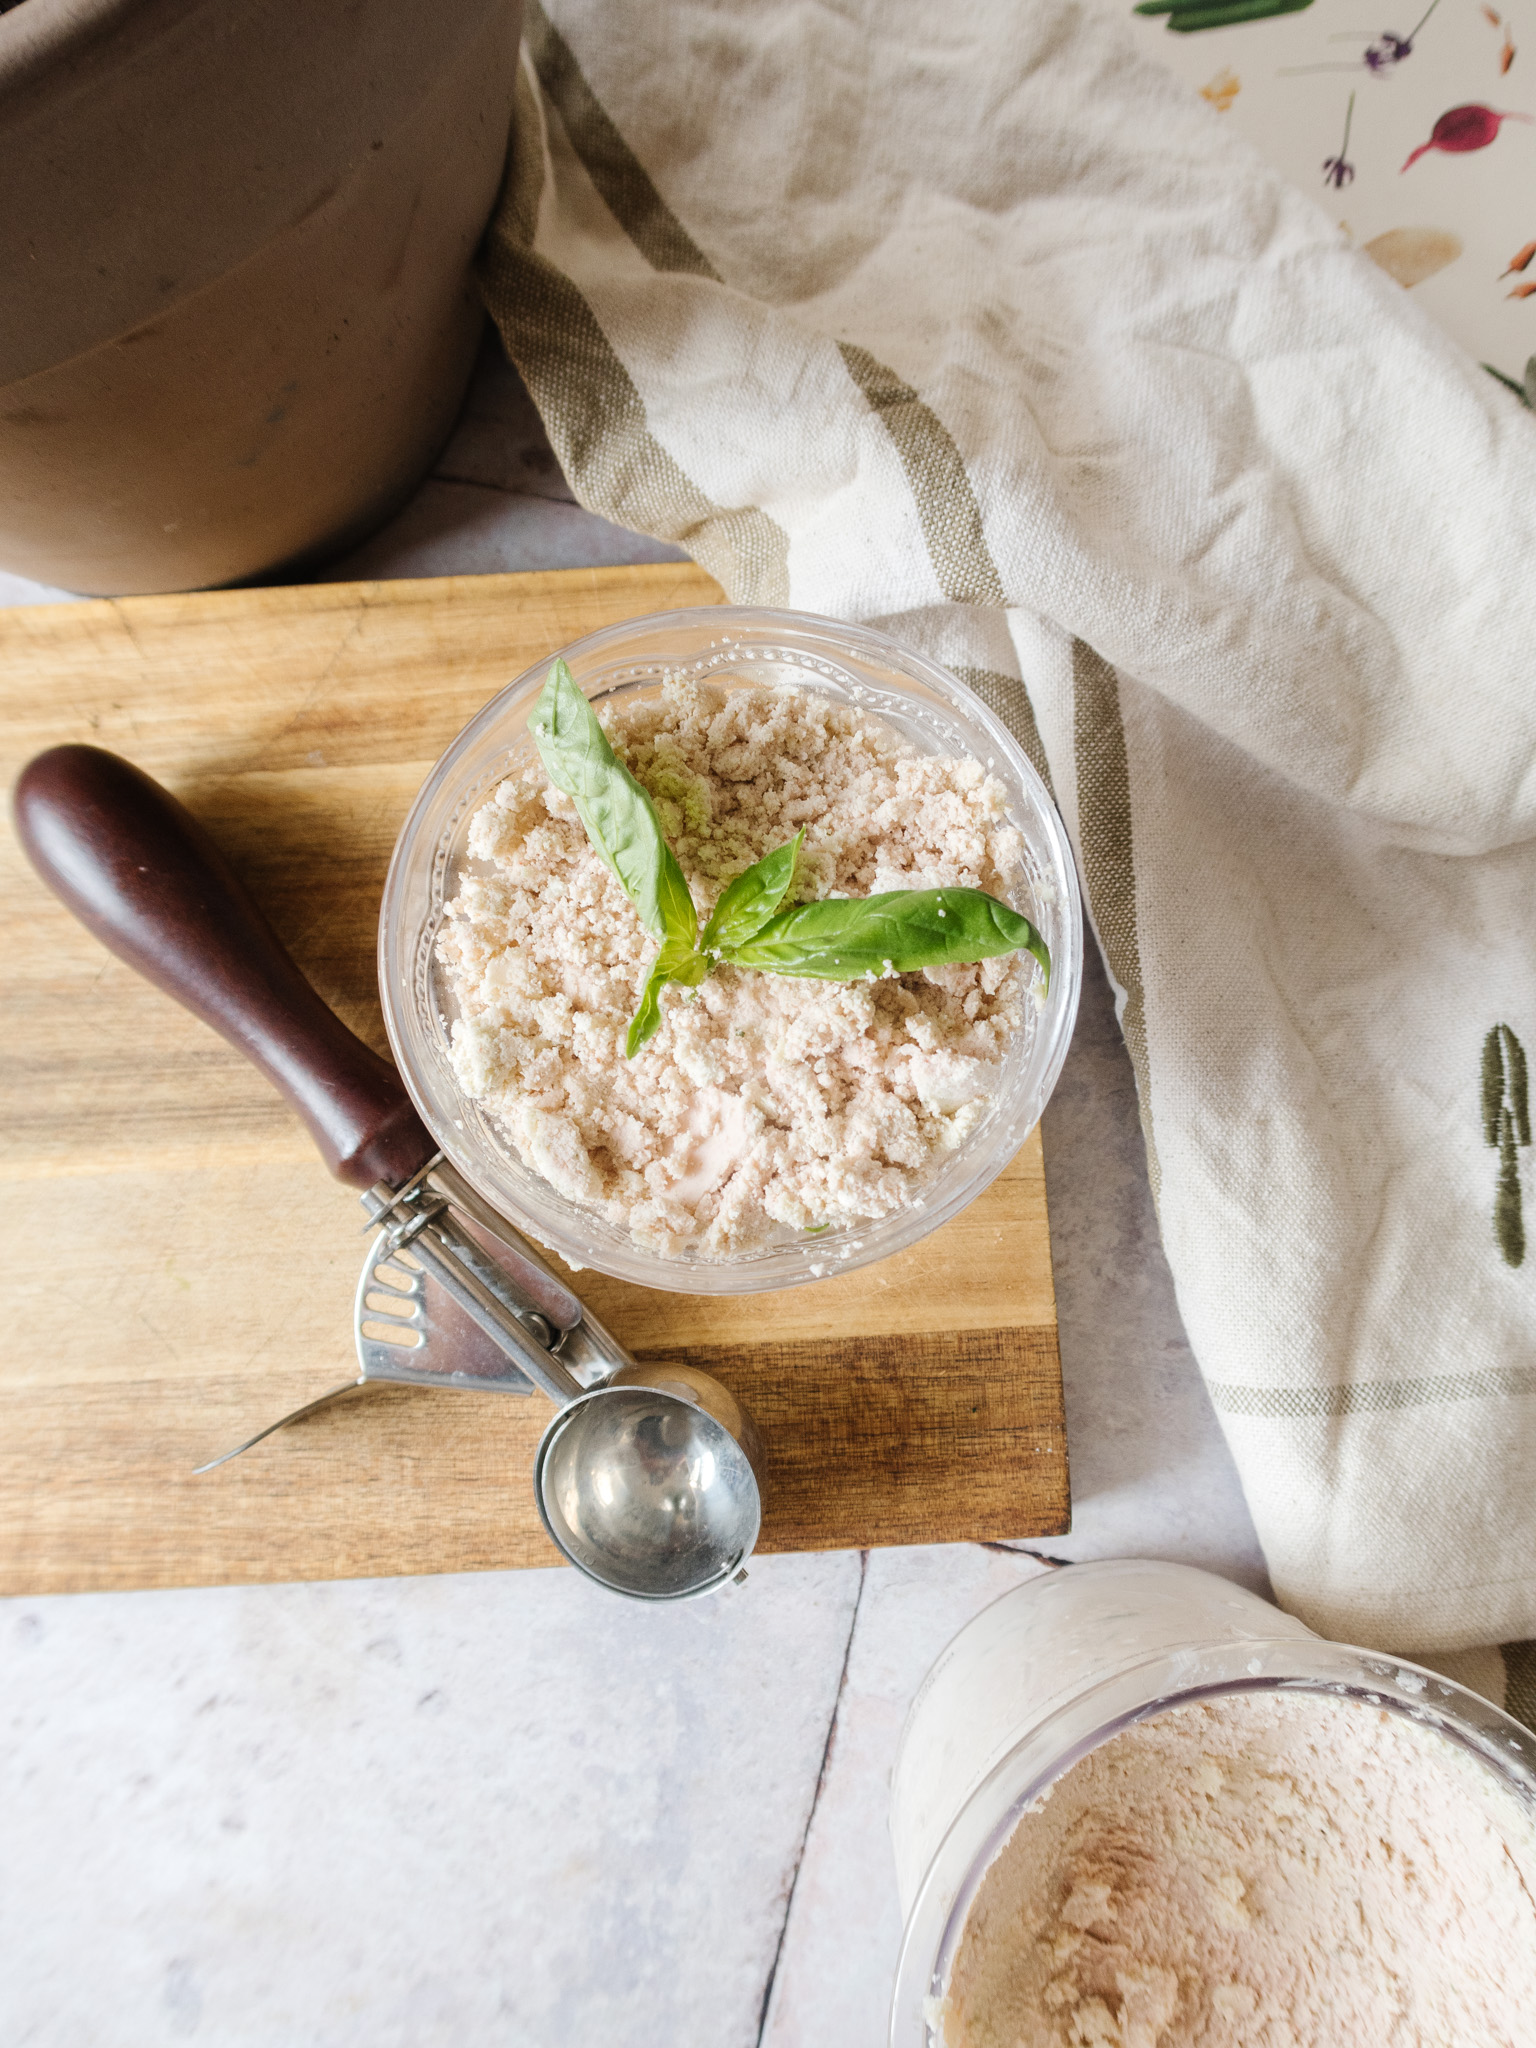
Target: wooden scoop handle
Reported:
[(139, 871)]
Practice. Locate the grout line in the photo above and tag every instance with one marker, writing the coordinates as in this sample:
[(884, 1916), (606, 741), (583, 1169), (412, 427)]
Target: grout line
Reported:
[(1023, 1550), (821, 1779)]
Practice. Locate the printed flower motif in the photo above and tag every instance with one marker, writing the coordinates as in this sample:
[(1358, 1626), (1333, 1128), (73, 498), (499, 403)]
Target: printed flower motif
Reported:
[(1519, 262), (1388, 50), (1412, 254), (1525, 391), (1507, 53), (1382, 53), (1187, 15), (1338, 171), (1460, 129)]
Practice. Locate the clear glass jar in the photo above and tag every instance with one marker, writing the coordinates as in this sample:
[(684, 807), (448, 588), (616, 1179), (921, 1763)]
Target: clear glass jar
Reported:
[(735, 647), (1062, 1663)]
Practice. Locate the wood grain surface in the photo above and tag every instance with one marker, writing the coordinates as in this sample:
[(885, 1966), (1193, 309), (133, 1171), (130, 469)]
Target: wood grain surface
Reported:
[(179, 1267)]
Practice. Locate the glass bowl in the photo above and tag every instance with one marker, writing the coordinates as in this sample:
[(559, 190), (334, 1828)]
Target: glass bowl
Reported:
[(850, 664)]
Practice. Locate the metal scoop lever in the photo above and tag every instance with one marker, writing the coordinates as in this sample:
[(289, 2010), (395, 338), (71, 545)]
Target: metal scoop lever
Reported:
[(401, 1330)]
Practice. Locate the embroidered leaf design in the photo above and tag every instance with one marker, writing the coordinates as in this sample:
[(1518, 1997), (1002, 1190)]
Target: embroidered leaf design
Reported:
[(1507, 1126), (1493, 1085), (1519, 1091)]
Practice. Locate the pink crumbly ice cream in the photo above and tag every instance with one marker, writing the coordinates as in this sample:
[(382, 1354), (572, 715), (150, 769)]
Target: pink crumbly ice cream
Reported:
[(1259, 1870)]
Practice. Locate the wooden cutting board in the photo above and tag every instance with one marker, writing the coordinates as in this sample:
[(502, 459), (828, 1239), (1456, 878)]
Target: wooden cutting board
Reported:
[(180, 1268)]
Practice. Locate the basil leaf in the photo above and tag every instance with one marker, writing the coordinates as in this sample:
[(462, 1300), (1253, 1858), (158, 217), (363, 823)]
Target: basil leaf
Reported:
[(842, 939), (675, 962), (646, 1021), (619, 817), (752, 898)]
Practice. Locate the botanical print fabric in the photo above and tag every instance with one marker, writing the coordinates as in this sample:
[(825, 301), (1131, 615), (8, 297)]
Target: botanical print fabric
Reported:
[(1414, 130)]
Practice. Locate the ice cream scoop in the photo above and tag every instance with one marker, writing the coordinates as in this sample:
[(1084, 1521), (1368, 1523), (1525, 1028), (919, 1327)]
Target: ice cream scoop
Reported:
[(647, 1477)]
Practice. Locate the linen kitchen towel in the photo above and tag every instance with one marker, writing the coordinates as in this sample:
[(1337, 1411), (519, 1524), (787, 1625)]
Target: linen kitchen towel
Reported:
[(972, 322)]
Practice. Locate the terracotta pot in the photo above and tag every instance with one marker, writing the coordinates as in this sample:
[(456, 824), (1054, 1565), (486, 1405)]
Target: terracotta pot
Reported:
[(236, 318)]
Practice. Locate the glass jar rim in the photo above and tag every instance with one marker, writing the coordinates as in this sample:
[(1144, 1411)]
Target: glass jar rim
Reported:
[(1138, 1691)]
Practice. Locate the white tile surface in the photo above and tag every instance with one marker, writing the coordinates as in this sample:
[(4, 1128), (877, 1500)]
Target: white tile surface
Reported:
[(500, 439), (499, 1809), (469, 529), (22, 590), (843, 1935), (462, 1812)]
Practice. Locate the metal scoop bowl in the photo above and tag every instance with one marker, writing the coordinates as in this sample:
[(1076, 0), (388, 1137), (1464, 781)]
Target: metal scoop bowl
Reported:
[(647, 1486), (647, 1477)]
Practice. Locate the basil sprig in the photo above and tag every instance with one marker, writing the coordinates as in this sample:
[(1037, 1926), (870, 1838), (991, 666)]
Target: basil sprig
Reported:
[(750, 901), (901, 931), (620, 818), (675, 962), (840, 939)]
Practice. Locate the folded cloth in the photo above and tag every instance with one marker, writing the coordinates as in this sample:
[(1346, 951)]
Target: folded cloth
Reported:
[(972, 322)]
